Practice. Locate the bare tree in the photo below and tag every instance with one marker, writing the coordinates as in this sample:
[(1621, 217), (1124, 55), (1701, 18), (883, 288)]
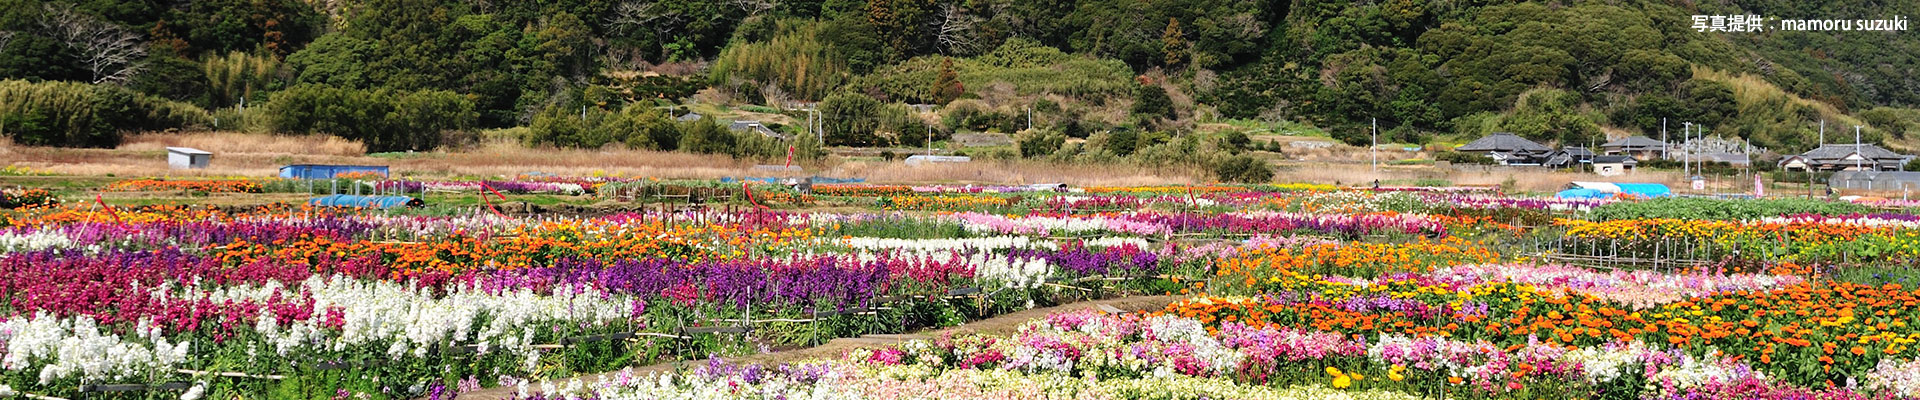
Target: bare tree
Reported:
[(112, 53), (954, 30), (756, 7), (638, 14)]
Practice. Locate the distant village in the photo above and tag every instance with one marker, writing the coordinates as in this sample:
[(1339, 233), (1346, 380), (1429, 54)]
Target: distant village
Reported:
[(1622, 156)]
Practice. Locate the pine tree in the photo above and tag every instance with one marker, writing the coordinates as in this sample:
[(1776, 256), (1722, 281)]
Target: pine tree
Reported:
[(947, 87), (1173, 43)]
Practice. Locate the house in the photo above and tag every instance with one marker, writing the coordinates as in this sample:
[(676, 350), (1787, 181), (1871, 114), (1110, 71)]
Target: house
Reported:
[(1639, 147), (689, 117), (1614, 165), (1845, 157), (1508, 149), (188, 158), (755, 127), (1568, 157)]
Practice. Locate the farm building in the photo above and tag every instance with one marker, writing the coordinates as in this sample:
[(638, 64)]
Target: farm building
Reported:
[(1508, 149), (1845, 157), (320, 171), (1639, 147), (1614, 165), (188, 158)]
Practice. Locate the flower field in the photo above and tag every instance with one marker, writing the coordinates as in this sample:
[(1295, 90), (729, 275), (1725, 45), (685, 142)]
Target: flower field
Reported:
[(1285, 292)]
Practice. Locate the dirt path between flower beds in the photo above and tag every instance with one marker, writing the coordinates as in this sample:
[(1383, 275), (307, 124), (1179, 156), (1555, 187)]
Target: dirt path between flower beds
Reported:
[(1000, 325)]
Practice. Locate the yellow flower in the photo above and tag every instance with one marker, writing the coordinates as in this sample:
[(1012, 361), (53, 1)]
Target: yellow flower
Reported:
[(1333, 371), (1342, 382)]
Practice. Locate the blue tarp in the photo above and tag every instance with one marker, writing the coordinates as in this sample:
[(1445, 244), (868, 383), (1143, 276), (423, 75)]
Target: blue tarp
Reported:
[(347, 200), (1608, 189), (316, 171), (1583, 194), (1645, 189)]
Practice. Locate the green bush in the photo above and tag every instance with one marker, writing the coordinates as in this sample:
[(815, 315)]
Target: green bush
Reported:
[(1040, 143), (1462, 158), (1243, 169), (83, 115), (386, 120)]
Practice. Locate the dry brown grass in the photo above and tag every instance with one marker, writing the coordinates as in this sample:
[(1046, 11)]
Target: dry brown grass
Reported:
[(244, 143), (1015, 172)]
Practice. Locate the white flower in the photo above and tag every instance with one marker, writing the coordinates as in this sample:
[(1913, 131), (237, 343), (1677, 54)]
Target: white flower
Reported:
[(195, 392)]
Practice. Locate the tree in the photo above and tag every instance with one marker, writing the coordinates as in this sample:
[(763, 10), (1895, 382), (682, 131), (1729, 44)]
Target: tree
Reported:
[(108, 51), (849, 119), (946, 86), (383, 119), (1173, 43), (1150, 103), (238, 75), (956, 32)]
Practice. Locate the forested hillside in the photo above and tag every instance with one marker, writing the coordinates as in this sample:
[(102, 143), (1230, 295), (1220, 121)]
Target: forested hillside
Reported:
[(402, 74)]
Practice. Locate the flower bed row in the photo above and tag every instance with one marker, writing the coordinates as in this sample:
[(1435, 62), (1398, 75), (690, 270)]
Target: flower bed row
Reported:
[(209, 186)]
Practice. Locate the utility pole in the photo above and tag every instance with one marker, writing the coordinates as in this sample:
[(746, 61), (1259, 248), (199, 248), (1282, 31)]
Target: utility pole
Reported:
[(1663, 138), (1029, 117), (1686, 129), (1374, 151), (929, 139), (1858, 156)]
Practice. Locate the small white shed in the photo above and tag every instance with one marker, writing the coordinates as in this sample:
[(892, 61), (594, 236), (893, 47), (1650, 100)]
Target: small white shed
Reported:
[(188, 158)]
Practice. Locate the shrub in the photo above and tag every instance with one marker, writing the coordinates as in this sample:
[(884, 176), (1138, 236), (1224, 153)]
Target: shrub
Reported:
[(1151, 103), (1462, 158), (82, 115), (1036, 143), (1243, 169)]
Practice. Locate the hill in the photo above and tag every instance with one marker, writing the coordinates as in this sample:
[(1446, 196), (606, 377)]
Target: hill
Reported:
[(402, 74)]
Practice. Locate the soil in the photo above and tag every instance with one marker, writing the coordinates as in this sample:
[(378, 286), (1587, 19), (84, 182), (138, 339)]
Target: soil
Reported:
[(1001, 325)]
